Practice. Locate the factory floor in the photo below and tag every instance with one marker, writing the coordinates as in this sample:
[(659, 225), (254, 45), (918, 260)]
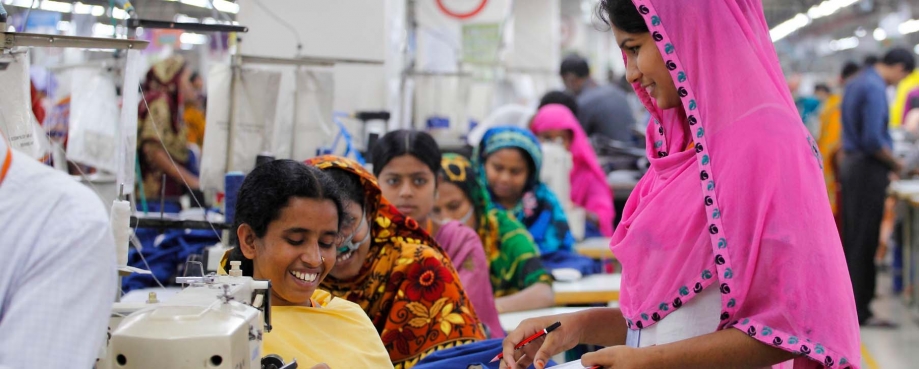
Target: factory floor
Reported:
[(891, 348)]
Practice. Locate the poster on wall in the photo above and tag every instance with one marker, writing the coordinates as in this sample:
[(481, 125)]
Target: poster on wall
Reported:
[(481, 42)]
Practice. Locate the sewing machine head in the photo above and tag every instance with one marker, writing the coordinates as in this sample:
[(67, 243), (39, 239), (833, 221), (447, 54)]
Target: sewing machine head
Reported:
[(215, 322)]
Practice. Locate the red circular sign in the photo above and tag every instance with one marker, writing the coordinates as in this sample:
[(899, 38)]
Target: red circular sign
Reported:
[(454, 14)]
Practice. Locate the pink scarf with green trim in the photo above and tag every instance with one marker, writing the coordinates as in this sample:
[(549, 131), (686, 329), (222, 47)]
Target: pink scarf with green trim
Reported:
[(746, 210)]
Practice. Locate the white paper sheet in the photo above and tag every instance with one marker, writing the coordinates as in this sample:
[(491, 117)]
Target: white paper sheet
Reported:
[(313, 125), (569, 365), (254, 115), (17, 123), (126, 149), (93, 119)]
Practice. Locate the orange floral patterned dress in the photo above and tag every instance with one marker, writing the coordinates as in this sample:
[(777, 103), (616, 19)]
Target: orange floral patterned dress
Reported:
[(407, 285)]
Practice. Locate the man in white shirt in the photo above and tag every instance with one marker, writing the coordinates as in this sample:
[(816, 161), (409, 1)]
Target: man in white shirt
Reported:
[(57, 267)]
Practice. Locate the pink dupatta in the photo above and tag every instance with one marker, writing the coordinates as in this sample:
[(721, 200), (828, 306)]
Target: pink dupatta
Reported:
[(589, 188), (746, 210)]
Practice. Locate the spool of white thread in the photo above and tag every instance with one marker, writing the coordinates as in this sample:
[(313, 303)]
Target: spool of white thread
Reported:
[(121, 229)]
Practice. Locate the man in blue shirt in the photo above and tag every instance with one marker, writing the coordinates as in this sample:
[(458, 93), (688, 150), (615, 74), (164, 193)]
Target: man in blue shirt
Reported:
[(602, 109), (866, 169)]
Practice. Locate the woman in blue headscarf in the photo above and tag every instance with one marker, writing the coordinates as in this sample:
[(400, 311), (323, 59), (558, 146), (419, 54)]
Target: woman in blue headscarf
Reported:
[(509, 159)]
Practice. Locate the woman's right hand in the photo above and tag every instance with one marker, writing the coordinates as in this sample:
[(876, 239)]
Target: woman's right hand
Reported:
[(563, 338)]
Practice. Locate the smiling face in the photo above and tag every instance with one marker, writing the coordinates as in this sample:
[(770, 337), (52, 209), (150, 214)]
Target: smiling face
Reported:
[(297, 250), (507, 171), (356, 228), (409, 184), (644, 65)]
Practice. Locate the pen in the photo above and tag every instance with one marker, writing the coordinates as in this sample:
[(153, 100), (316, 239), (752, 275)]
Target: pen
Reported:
[(544, 332)]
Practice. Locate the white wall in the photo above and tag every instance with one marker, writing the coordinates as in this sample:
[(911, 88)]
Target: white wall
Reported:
[(530, 53), (353, 29)]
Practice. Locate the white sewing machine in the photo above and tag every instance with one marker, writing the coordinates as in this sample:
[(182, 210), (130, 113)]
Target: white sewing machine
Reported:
[(215, 322)]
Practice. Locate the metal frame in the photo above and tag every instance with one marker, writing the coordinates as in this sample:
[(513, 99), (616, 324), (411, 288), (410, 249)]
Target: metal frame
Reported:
[(304, 61), (134, 23), (239, 60), (10, 40)]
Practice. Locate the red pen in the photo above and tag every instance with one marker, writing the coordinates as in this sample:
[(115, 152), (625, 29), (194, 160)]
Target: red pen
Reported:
[(544, 332)]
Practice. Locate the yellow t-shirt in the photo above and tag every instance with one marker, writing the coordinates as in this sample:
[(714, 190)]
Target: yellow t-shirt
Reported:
[(906, 86), (337, 333)]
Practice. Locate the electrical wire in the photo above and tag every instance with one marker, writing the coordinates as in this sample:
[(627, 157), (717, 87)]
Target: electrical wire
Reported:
[(284, 23)]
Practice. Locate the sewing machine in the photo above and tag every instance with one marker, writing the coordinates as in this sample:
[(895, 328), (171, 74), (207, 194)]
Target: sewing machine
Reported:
[(215, 322)]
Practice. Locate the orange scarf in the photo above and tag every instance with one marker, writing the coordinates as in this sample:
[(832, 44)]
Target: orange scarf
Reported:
[(407, 285)]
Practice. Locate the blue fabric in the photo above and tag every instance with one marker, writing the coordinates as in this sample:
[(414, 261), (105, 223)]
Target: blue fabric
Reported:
[(545, 219), (568, 259), (865, 114), (539, 209), (165, 254), (478, 353), (807, 106), (591, 230)]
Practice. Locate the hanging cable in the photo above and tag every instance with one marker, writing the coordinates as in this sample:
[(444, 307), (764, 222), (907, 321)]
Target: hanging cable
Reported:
[(174, 165), (283, 23)]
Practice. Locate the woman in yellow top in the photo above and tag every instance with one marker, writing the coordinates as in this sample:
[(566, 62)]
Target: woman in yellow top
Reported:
[(288, 218), (830, 140)]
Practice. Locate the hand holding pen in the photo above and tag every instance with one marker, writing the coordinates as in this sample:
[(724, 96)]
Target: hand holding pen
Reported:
[(531, 344)]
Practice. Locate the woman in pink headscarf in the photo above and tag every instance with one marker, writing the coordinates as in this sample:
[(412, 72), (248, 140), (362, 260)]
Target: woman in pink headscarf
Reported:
[(589, 188), (730, 257)]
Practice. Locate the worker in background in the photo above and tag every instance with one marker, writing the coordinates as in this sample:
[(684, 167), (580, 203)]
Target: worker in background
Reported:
[(602, 110), (57, 274), (194, 110), (898, 108), (830, 139), (808, 106), (162, 137), (866, 170)]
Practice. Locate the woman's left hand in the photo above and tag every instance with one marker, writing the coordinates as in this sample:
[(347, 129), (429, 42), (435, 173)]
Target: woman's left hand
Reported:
[(616, 357)]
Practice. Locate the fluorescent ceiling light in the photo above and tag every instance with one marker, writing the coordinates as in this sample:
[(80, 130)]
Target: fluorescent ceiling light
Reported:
[(81, 8), (844, 44), (193, 38), (221, 5), (828, 8), (226, 6), (788, 27), (880, 34), (56, 6), (909, 26), (198, 3), (20, 3), (63, 26), (118, 13), (103, 30), (801, 20), (182, 18)]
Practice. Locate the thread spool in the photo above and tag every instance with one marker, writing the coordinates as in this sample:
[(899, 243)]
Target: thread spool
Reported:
[(232, 182), (121, 228)]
